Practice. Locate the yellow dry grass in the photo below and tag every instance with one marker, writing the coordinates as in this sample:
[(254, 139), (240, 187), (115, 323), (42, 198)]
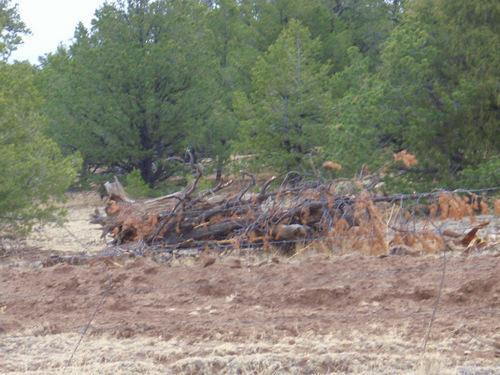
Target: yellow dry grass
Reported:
[(308, 353), (76, 234)]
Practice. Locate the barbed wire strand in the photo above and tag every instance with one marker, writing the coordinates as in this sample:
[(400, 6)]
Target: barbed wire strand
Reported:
[(108, 288), (212, 323), (438, 296), (432, 313), (436, 303), (304, 319), (81, 243), (114, 250)]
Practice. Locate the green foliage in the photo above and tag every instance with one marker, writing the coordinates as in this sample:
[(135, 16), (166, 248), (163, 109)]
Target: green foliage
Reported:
[(292, 82), (435, 94), (364, 24), (11, 29), (233, 42), (33, 170), (213, 140), (287, 114), (441, 96), (130, 92), (355, 139), (486, 174), (135, 185)]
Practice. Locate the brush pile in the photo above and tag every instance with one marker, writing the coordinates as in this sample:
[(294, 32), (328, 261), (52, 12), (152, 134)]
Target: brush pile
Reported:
[(216, 217), (240, 214), (212, 217)]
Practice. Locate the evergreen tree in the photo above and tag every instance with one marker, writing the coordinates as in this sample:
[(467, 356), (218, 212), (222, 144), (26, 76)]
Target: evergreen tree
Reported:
[(435, 94), (286, 117), (131, 91), (364, 24), (12, 28), (233, 42), (441, 99), (32, 168), (352, 80), (356, 138)]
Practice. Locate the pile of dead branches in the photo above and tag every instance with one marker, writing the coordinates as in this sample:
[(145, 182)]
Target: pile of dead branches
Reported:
[(186, 219), (278, 214)]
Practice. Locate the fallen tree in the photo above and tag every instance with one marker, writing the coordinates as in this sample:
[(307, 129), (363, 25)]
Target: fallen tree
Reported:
[(186, 220), (240, 214)]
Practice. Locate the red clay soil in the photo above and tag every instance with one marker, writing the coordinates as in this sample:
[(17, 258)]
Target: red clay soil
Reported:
[(216, 297)]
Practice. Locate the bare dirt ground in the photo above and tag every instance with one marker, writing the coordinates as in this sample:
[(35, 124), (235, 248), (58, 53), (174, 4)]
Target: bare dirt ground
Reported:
[(317, 314)]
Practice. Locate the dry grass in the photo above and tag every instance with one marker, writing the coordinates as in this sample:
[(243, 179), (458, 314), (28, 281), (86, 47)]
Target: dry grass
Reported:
[(352, 353), (374, 351), (77, 234)]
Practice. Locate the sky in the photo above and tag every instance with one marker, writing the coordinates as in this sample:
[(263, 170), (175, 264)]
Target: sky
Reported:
[(51, 22)]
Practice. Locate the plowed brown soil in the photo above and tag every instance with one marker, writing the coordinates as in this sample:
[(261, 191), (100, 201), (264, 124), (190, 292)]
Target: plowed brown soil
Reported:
[(318, 315)]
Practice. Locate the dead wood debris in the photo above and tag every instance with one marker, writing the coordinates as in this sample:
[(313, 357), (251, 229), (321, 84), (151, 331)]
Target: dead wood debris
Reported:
[(230, 217), (217, 218)]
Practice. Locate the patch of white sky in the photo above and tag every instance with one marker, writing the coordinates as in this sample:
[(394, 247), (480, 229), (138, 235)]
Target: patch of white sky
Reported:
[(52, 22)]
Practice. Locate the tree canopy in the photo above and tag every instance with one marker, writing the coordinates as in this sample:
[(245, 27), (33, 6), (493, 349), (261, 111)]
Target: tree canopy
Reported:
[(439, 96), (11, 29), (291, 82), (133, 87)]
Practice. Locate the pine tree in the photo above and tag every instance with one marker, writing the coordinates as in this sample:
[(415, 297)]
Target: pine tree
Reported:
[(32, 168), (131, 91), (232, 41), (286, 116), (11, 29), (356, 139), (441, 98)]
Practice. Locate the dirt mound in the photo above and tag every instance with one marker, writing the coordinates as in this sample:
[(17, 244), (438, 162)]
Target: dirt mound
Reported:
[(317, 315)]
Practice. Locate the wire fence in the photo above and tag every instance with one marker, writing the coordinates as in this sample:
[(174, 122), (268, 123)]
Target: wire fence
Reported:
[(83, 329), (89, 327), (111, 289), (343, 276), (406, 219), (444, 270)]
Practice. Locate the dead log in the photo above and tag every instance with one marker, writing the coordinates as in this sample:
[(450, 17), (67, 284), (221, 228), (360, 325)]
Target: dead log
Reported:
[(184, 219), (204, 232)]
